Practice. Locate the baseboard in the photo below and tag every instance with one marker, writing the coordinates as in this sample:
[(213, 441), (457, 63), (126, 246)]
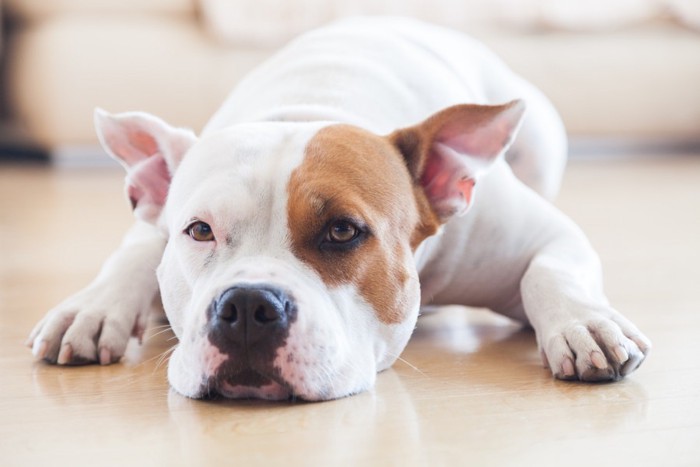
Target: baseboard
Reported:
[(606, 147), (81, 156), (93, 156), (579, 148)]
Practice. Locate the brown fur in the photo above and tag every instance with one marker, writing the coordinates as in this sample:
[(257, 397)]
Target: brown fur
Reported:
[(350, 172)]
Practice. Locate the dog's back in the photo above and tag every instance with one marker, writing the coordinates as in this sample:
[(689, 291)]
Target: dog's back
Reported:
[(387, 73)]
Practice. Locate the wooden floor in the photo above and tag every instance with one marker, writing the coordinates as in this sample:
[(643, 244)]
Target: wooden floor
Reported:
[(469, 391)]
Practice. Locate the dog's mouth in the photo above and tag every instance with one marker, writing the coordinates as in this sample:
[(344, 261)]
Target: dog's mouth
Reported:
[(248, 383)]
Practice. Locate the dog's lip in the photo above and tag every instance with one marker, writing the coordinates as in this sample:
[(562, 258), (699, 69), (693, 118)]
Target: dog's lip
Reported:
[(249, 382), (249, 377), (270, 391)]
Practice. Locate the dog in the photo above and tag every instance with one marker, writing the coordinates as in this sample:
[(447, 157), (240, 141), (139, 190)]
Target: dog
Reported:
[(367, 169)]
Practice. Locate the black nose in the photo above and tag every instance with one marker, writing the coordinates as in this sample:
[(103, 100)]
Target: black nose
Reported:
[(248, 314)]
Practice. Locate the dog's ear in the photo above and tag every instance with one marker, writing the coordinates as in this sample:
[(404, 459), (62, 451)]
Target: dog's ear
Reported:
[(150, 150), (447, 153)]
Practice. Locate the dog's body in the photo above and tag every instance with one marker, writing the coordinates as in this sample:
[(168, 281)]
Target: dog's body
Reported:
[(296, 236)]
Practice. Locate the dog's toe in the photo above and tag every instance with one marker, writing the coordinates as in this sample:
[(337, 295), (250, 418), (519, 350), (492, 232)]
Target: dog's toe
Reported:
[(47, 343)]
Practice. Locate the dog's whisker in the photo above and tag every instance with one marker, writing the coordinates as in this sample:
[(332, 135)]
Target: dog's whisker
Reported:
[(156, 334), (163, 357), (412, 366)]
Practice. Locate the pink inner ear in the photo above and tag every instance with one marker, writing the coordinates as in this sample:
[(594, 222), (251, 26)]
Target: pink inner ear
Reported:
[(466, 187), (476, 144), (447, 182), (148, 182), (145, 143), (486, 140), (481, 131), (131, 146)]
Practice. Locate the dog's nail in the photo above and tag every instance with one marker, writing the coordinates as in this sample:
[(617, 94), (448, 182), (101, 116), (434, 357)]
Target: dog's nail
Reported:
[(65, 355), (545, 361), (621, 354), (29, 342), (643, 344), (598, 360), (41, 349), (105, 356), (568, 367)]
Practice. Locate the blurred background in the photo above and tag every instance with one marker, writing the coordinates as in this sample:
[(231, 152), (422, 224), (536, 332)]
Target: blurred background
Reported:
[(623, 73)]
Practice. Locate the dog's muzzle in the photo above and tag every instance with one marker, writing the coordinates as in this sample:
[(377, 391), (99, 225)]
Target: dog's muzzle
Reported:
[(248, 323)]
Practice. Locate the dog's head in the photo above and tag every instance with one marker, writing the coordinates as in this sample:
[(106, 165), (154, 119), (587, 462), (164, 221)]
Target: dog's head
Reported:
[(289, 267)]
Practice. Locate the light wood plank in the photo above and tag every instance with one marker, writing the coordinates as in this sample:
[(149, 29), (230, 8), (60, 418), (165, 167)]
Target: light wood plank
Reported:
[(470, 389)]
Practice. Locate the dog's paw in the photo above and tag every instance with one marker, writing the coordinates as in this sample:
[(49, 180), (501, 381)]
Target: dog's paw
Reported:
[(601, 348), (93, 325)]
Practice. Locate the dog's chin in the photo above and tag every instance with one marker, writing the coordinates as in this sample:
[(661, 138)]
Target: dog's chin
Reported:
[(250, 384), (272, 391), (247, 383)]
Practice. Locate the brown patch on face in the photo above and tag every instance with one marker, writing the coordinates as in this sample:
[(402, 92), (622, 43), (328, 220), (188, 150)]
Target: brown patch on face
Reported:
[(350, 174)]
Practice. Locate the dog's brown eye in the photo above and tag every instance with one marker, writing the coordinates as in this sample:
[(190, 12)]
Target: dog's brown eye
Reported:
[(201, 232), (342, 232)]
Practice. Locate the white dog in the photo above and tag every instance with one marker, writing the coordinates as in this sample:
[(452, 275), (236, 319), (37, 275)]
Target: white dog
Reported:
[(368, 168)]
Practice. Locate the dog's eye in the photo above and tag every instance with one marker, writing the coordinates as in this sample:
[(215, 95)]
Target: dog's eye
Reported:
[(342, 232), (201, 232)]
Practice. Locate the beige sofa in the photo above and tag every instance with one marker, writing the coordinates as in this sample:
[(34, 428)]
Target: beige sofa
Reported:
[(170, 57)]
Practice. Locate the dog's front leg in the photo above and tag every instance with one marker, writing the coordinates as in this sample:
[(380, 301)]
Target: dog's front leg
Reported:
[(579, 334), (95, 324)]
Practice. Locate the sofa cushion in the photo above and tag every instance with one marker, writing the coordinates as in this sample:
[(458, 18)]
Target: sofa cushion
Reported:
[(62, 68), (37, 9)]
